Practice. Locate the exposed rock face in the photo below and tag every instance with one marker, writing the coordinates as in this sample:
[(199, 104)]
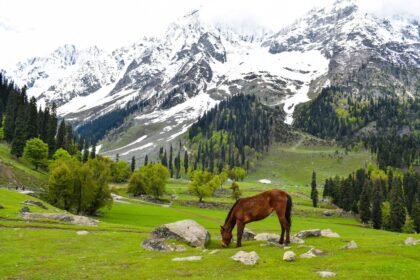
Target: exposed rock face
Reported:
[(248, 235), (73, 219), (326, 274), (329, 233), (350, 245), (308, 233), (159, 244), (188, 231), (35, 203), (289, 256), (191, 258), (248, 258), (411, 241)]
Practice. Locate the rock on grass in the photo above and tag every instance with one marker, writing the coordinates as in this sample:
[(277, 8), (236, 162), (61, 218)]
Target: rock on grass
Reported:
[(289, 256), (250, 258), (350, 245), (326, 274), (190, 258)]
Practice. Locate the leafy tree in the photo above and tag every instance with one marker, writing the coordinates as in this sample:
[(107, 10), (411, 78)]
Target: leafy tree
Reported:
[(236, 193), (397, 205), (237, 173), (314, 191), (223, 176), (149, 179), (61, 154), (120, 171), (36, 152), (203, 183)]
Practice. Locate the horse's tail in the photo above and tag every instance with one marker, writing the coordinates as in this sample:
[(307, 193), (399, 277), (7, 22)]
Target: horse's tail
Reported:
[(289, 209)]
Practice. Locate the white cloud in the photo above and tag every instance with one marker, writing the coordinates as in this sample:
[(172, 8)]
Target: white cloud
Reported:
[(29, 28)]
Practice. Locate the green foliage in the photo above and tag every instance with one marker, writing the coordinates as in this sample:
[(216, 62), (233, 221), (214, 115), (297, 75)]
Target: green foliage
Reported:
[(237, 173), (236, 192), (203, 184), (61, 154), (416, 216), (149, 179), (386, 215), (80, 188), (120, 171), (36, 152)]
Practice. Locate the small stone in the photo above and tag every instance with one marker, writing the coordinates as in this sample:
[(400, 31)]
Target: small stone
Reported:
[(250, 258), (248, 235), (25, 209), (317, 252), (329, 233), (212, 252), (178, 248), (411, 241), (267, 237), (326, 274), (308, 255), (308, 233), (296, 240), (35, 203), (289, 256), (82, 232), (287, 248), (350, 245), (191, 258), (328, 213)]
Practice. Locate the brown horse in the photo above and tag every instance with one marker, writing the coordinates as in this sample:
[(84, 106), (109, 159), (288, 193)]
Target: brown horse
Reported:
[(256, 208)]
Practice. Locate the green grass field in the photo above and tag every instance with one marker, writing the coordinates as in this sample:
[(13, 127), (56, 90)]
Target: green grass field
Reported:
[(46, 249)]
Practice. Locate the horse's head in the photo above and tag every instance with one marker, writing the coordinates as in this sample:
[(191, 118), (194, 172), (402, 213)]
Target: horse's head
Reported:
[(226, 236)]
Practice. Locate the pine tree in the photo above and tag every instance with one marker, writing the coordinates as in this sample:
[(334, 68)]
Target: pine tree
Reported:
[(93, 151), (10, 116), (146, 160), (19, 138), (376, 205), (86, 152), (415, 215), (314, 192), (117, 157), (32, 120), (133, 164), (186, 162), (364, 204), (397, 205), (52, 130), (171, 168), (61, 135)]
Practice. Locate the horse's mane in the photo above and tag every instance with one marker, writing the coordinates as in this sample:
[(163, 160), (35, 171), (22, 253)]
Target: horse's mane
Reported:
[(230, 211)]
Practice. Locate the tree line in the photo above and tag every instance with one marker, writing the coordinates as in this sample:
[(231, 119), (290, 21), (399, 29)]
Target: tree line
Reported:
[(387, 199)]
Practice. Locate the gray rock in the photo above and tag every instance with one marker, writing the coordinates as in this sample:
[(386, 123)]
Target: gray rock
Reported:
[(190, 258), (329, 233), (296, 240), (350, 245), (69, 218), (289, 256), (317, 252), (308, 255), (267, 237), (308, 233), (212, 252), (188, 231), (25, 209), (35, 203), (248, 258), (82, 232), (411, 241), (328, 213), (248, 235), (159, 244), (326, 274)]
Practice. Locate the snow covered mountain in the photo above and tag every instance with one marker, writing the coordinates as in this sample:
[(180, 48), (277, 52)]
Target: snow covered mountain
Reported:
[(146, 95)]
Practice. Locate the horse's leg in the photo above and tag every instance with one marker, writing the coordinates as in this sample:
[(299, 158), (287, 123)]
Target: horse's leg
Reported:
[(240, 230), (285, 226), (282, 234)]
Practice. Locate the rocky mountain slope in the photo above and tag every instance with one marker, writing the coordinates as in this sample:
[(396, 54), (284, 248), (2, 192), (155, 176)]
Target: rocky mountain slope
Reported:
[(157, 87)]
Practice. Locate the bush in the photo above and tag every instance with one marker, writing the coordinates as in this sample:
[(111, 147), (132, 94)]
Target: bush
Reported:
[(79, 188), (237, 173), (36, 152), (236, 193), (149, 179), (61, 154), (203, 184)]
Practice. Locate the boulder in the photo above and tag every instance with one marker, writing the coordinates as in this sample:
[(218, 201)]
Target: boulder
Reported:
[(289, 256), (159, 244), (35, 203), (350, 245), (248, 235), (82, 232), (250, 258), (267, 237), (69, 218), (188, 231), (411, 241), (308, 233), (329, 233), (191, 258), (25, 209), (326, 274)]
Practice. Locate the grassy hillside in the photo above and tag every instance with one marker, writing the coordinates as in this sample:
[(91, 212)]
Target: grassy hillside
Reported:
[(17, 173)]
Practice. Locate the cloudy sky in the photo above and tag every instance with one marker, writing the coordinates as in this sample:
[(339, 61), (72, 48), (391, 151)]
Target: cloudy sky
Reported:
[(30, 28)]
